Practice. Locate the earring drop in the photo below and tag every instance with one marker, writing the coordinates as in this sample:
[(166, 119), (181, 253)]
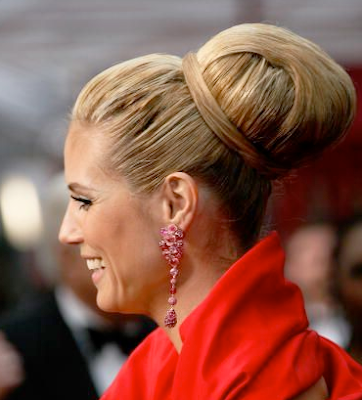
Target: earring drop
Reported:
[(171, 246)]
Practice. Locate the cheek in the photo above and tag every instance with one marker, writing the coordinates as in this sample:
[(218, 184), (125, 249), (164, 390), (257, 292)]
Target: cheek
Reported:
[(101, 233), (137, 272), (140, 266)]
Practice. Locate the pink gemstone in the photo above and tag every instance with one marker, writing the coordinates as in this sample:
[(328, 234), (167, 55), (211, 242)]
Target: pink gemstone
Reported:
[(172, 301), (173, 281), (173, 290), (179, 233), (172, 228), (173, 250), (170, 319)]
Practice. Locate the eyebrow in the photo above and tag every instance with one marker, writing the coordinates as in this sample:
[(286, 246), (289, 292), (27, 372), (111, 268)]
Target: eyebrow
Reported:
[(74, 186)]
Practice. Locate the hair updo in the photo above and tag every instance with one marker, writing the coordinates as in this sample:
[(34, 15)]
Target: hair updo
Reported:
[(255, 102)]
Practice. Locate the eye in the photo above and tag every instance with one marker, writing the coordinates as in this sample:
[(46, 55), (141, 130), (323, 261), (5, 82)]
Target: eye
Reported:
[(84, 203)]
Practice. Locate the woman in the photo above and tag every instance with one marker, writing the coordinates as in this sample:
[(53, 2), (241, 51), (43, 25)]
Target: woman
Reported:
[(170, 164)]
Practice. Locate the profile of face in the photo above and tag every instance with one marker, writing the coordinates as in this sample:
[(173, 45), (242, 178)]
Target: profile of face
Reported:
[(69, 268), (116, 230), (349, 276)]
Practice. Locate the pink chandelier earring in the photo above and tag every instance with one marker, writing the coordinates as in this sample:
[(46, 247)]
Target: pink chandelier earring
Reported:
[(171, 246)]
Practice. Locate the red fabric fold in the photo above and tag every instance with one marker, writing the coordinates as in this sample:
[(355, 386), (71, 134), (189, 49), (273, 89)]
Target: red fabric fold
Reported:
[(248, 339)]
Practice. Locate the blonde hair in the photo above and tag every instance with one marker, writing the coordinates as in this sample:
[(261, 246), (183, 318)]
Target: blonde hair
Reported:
[(255, 102)]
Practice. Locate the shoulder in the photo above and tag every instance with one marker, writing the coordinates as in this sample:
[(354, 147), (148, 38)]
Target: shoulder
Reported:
[(318, 391)]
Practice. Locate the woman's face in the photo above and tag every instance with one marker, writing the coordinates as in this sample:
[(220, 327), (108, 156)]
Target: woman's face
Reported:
[(117, 231)]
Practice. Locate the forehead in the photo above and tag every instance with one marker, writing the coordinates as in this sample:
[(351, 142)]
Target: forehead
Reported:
[(83, 131), (84, 152)]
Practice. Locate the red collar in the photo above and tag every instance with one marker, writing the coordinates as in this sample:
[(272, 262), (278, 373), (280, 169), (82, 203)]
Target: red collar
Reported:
[(253, 287), (250, 313)]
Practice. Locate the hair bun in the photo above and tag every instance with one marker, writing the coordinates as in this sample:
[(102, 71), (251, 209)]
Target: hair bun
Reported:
[(271, 95), (220, 124)]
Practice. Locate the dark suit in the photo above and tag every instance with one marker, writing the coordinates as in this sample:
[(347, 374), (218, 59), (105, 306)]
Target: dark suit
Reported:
[(54, 366)]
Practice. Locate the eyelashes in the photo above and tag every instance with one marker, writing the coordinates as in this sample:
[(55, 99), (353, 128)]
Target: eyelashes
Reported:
[(84, 203)]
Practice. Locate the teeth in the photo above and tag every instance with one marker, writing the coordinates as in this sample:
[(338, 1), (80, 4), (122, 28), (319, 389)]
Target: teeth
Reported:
[(95, 263)]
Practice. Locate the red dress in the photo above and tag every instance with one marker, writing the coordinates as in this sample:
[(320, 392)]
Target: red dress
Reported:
[(249, 340)]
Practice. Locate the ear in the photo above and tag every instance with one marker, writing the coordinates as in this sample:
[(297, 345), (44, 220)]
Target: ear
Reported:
[(179, 199)]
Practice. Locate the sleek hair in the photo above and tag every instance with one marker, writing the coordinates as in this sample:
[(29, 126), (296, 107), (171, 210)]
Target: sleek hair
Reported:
[(254, 103)]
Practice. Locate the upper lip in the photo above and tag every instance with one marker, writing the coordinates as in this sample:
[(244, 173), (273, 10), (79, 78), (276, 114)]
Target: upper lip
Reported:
[(86, 257)]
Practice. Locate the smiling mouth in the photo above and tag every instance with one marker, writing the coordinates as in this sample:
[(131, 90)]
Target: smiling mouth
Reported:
[(95, 264)]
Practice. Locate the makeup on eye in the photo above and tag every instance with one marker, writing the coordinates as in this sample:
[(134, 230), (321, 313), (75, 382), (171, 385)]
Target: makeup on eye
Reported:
[(84, 202)]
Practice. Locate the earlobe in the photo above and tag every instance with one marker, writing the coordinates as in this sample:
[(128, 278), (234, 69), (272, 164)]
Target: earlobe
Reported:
[(180, 199)]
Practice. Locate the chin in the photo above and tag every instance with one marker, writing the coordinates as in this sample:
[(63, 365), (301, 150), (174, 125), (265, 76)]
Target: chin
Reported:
[(112, 304), (106, 304)]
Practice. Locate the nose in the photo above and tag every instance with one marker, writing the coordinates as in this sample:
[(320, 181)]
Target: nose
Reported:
[(70, 232)]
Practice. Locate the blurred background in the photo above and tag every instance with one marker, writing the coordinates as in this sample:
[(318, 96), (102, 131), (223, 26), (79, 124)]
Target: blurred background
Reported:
[(49, 49)]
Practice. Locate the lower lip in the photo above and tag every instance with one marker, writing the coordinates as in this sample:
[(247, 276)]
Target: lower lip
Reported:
[(97, 275)]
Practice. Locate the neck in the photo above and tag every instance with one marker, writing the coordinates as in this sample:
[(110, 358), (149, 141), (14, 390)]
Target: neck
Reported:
[(195, 283)]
